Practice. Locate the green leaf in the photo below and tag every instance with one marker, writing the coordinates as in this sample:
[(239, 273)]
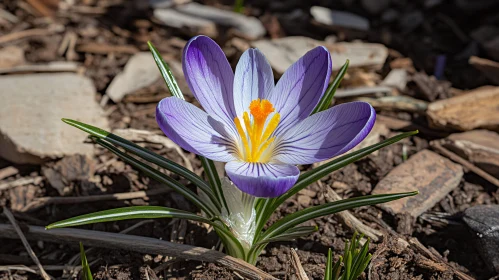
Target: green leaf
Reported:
[(291, 234), (263, 212), (325, 101), (239, 6), (167, 74), (146, 155), (216, 185), (328, 274), (316, 174), (337, 269), (128, 213), (160, 177), (87, 274), (310, 213)]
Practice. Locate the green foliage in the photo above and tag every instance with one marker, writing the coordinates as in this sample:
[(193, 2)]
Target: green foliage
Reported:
[(353, 262), (326, 100), (285, 229), (85, 271), (239, 6)]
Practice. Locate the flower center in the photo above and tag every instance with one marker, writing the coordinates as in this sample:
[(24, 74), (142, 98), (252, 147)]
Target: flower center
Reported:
[(255, 135)]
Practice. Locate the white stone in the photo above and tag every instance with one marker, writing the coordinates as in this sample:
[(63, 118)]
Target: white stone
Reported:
[(334, 18), (283, 52), (250, 27), (140, 71), (32, 106), (190, 24)]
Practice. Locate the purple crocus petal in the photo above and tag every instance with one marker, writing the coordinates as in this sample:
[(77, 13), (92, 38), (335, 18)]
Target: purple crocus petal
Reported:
[(194, 130), (262, 179), (210, 78), (326, 134), (301, 87), (254, 79)]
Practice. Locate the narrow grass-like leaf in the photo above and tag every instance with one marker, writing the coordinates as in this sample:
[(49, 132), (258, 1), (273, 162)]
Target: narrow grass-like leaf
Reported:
[(128, 213), (216, 186), (328, 273), (167, 74), (336, 269), (146, 155), (263, 212), (239, 6), (310, 213), (160, 177), (291, 234), (325, 101), (316, 174), (87, 274)]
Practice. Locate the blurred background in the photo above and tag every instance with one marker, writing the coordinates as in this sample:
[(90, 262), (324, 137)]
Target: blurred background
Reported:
[(431, 65)]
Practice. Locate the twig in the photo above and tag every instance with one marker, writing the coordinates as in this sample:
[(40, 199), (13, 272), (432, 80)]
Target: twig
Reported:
[(8, 171), (24, 34), (17, 267), (44, 201), (295, 261), (21, 182), (137, 244), (437, 146), (20, 234), (351, 221), (76, 257)]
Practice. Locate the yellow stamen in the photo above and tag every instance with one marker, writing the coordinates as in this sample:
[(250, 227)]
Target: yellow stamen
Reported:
[(243, 137), (256, 136)]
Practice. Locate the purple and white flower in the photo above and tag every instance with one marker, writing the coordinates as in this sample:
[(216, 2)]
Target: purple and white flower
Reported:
[(260, 129)]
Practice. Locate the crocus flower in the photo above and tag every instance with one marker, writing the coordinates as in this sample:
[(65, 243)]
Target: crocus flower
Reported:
[(260, 129)]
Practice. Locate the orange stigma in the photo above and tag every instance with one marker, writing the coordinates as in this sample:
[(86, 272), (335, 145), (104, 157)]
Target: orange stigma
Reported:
[(255, 136)]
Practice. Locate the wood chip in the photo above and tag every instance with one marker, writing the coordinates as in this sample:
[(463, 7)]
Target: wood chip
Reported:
[(427, 172), (475, 109), (488, 67)]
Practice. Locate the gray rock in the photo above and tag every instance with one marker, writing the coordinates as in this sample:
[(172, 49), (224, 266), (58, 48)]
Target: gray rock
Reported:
[(190, 24), (140, 71), (342, 19), (250, 27), (483, 221), (32, 106), (283, 52), (427, 172)]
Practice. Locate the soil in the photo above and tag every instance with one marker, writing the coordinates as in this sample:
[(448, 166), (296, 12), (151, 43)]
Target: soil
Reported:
[(446, 236)]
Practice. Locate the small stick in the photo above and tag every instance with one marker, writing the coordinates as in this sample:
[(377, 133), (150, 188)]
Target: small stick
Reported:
[(465, 163), (25, 243), (351, 221), (139, 244), (20, 182), (25, 34), (295, 260), (8, 171), (76, 257), (44, 201), (17, 267)]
